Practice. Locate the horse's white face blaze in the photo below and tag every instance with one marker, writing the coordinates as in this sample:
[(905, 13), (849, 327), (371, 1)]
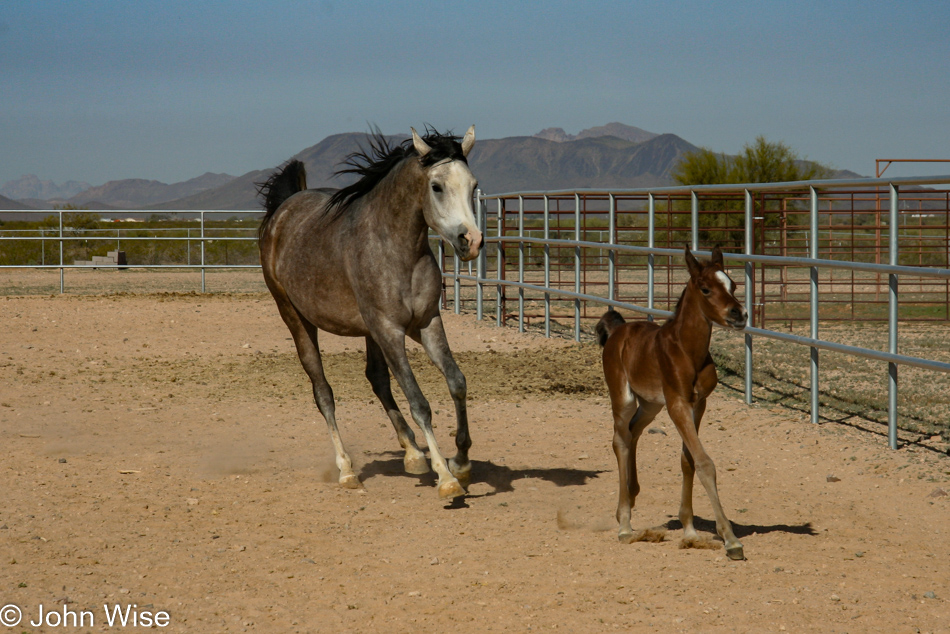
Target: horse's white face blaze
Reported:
[(449, 210), (726, 282), (732, 313)]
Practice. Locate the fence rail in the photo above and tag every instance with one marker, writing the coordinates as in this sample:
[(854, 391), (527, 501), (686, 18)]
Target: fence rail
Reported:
[(575, 262), (203, 234)]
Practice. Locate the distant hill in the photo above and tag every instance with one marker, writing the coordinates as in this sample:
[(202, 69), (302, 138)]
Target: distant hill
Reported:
[(619, 130), (8, 203), (238, 193), (321, 160), (134, 193), (532, 163), (30, 186), (501, 165), (611, 156)]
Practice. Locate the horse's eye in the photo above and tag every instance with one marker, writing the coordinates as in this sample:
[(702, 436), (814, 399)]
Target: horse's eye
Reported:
[(437, 188), (705, 290)]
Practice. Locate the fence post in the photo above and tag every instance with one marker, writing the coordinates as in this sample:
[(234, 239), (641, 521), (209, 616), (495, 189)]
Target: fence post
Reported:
[(62, 277), (612, 240), (694, 220), (651, 244), (547, 266), (521, 264), (499, 268), (813, 303), (482, 260), (577, 267), (202, 252), (749, 292), (893, 230)]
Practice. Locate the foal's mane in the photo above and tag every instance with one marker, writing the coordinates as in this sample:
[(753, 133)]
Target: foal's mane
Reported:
[(373, 164)]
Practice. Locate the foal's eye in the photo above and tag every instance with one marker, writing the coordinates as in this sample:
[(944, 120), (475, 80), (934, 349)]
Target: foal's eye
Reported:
[(705, 290), (437, 188)]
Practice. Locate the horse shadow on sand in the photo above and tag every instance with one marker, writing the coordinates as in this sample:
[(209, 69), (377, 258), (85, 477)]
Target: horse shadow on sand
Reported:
[(500, 478), (744, 530)]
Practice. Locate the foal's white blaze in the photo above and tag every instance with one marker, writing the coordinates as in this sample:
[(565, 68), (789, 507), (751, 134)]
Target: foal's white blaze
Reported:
[(726, 282)]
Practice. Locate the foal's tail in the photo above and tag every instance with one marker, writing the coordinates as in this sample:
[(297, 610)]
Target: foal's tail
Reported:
[(607, 324), (286, 181)]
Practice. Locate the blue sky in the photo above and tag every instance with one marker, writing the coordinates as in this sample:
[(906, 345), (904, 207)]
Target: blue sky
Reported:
[(103, 90)]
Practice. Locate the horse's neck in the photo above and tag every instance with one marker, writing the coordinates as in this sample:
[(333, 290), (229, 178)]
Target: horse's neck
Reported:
[(394, 206), (691, 328)]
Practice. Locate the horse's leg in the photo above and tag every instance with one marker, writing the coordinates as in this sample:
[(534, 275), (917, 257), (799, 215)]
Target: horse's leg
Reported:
[(689, 469), (623, 405), (305, 338), (682, 414), (392, 342), (378, 374), (629, 483), (433, 339)]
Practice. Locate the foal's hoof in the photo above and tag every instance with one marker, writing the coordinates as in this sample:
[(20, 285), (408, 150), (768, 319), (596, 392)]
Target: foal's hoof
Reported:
[(735, 553), (450, 489), (416, 465), (349, 481), (653, 535)]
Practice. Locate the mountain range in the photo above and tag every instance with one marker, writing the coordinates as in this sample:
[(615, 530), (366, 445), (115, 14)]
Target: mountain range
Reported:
[(610, 156)]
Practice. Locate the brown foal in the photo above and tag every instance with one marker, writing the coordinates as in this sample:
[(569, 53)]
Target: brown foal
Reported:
[(648, 366)]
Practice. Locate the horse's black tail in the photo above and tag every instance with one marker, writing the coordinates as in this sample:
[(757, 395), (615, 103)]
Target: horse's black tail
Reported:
[(607, 324), (286, 181)]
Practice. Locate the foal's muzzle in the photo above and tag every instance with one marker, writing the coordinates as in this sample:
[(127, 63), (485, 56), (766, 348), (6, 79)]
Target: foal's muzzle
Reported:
[(737, 317)]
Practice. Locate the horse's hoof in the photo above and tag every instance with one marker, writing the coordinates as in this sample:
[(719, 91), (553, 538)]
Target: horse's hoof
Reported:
[(736, 553), (349, 481), (462, 474), (417, 465), (450, 489), (625, 537)]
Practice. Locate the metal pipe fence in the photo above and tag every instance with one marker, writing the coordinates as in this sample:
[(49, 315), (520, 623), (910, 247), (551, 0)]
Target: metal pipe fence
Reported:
[(24, 246), (567, 254), (556, 264)]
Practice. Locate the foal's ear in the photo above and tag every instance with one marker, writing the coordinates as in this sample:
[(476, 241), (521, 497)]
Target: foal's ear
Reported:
[(468, 141), (421, 146), (716, 256), (695, 268)]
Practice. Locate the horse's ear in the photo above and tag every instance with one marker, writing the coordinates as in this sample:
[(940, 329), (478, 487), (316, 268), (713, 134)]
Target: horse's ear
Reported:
[(695, 268), (716, 256), (468, 141), (421, 146)]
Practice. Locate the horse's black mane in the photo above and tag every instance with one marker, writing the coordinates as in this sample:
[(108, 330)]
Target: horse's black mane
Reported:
[(372, 164)]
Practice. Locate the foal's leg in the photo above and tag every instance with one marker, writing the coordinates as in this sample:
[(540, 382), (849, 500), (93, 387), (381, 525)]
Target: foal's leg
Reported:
[(689, 469), (378, 374), (392, 341), (305, 338), (626, 437), (682, 414), (433, 339)]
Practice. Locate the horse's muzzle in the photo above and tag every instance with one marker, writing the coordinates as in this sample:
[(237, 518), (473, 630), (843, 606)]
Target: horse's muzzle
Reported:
[(469, 244), (737, 318)]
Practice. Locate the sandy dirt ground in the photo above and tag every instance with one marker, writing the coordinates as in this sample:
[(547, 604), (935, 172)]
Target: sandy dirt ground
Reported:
[(164, 452)]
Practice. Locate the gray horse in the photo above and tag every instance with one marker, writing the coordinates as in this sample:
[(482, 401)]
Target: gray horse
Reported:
[(356, 262)]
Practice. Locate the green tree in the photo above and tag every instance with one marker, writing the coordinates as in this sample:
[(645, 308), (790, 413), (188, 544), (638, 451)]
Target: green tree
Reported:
[(760, 162)]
